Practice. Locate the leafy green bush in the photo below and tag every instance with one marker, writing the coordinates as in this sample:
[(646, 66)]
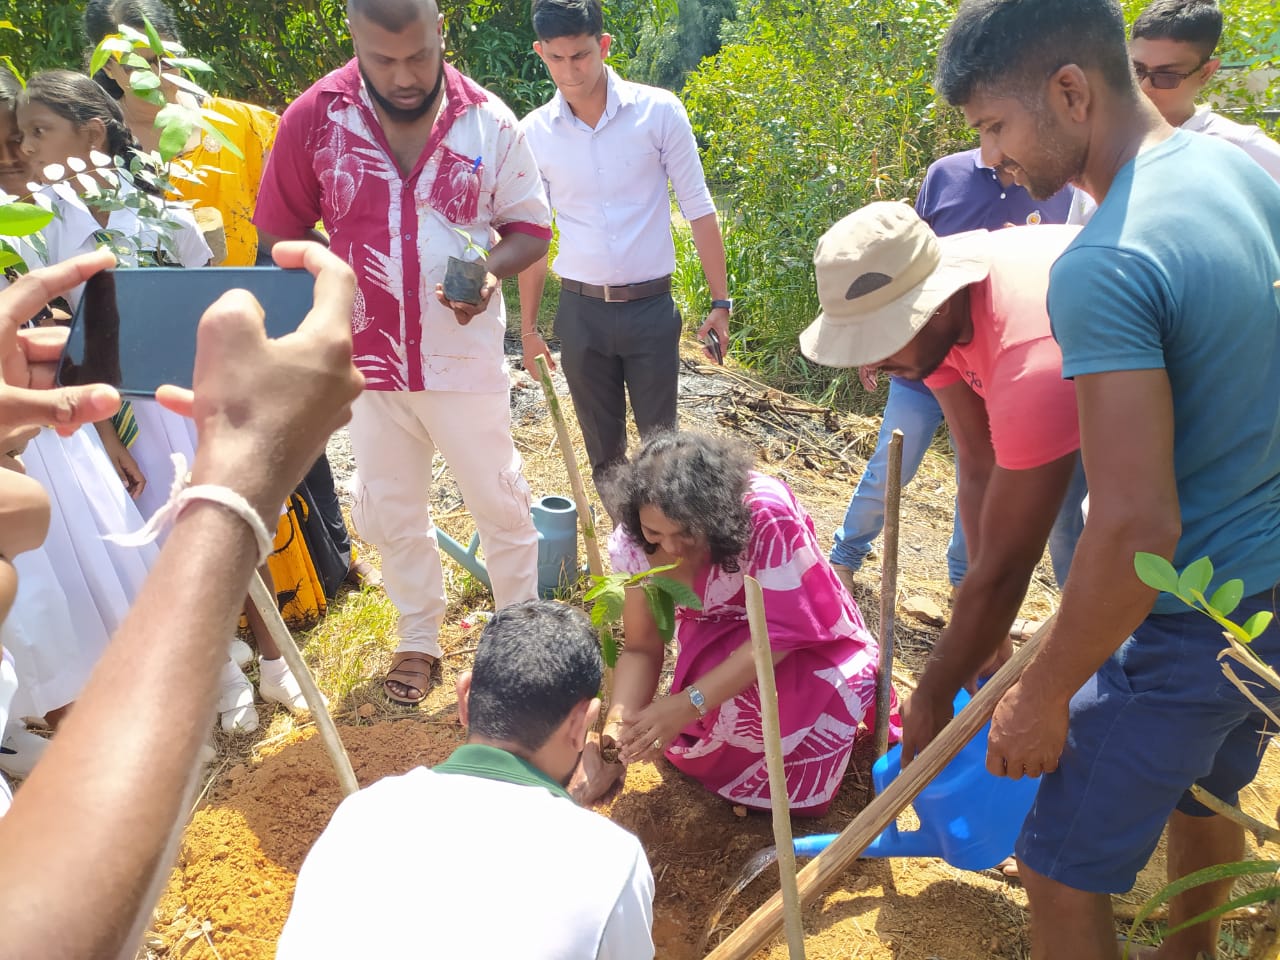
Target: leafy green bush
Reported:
[(268, 52), (817, 108), (820, 109)]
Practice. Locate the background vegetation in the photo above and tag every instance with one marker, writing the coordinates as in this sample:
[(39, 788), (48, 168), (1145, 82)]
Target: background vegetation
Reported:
[(806, 109)]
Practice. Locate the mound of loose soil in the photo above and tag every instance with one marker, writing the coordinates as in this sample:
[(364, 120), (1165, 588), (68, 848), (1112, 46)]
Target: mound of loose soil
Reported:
[(241, 853), (229, 895)]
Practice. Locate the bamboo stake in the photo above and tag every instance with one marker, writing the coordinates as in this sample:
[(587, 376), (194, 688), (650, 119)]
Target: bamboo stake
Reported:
[(759, 928), (266, 605), (778, 796), (888, 592), (585, 519)]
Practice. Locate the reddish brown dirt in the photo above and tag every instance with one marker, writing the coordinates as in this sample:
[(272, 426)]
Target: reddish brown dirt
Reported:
[(231, 890), (242, 851)]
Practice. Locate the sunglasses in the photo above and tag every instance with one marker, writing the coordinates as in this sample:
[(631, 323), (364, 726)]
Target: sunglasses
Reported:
[(1165, 79)]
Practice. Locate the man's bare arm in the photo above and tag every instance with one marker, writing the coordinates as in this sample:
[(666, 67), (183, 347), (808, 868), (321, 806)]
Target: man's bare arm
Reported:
[(966, 415), (1017, 512), (532, 282), (90, 835), (1126, 427), (709, 243)]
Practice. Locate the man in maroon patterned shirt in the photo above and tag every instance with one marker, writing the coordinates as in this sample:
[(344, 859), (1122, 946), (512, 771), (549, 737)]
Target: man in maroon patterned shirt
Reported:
[(408, 162)]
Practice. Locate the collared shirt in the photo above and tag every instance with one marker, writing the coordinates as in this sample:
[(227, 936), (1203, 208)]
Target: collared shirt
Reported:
[(1252, 140), (475, 178), (608, 186), (960, 193), (571, 883)]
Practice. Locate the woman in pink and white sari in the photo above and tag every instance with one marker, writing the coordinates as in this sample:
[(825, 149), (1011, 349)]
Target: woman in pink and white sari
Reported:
[(693, 499)]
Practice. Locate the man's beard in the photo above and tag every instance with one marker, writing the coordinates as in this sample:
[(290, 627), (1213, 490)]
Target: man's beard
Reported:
[(1059, 166), (397, 114)]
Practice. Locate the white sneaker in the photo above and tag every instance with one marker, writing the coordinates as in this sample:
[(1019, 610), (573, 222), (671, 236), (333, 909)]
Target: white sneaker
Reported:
[(20, 750), (235, 700), (277, 684), (241, 653)]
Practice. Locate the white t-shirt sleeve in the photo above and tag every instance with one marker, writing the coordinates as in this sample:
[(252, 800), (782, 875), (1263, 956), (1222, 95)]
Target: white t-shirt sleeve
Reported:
[(628, 933), (8, 687), (193, 250)]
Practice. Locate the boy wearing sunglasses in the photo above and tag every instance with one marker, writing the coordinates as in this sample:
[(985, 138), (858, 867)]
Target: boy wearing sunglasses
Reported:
[(1172, 44)]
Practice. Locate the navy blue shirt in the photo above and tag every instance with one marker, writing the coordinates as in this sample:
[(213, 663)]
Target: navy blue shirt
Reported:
[(959, 194)]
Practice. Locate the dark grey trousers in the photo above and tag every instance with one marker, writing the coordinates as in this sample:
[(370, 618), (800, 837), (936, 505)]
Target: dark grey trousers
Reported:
[(610, 350)]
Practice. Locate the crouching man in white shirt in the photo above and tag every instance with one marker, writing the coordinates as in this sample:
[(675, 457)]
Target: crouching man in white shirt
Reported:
[(571, 883)]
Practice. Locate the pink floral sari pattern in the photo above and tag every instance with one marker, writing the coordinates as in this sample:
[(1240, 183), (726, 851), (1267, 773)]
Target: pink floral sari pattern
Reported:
[(826, 685)]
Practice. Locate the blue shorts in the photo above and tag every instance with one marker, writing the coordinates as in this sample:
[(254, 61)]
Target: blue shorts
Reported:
[(1157, 717)]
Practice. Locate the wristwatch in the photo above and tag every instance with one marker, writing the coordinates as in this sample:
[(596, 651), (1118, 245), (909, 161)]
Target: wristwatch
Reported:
[(697, 699), (722, 305)]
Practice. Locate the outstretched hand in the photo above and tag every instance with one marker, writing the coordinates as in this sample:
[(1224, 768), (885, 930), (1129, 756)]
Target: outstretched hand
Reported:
[(29, 358), (265, 408)]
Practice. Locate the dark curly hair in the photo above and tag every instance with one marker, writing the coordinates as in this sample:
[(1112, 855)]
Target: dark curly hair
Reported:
[(696, 480)]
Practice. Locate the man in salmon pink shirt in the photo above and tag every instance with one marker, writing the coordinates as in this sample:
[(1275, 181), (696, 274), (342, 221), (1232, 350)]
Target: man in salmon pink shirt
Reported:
[(965, 314), (407, 163)]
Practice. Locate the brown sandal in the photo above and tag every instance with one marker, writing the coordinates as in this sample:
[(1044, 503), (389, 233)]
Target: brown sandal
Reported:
[(415, 676)]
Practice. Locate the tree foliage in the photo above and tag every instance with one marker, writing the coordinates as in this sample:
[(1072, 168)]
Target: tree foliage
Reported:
[(820, 108), (670, 47)]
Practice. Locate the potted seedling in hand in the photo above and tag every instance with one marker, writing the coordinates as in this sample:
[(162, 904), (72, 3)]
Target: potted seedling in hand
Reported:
[(465, 277)]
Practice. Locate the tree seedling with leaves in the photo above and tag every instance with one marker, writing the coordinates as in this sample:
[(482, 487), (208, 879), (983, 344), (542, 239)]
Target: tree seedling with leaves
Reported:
[(1191, 587), (463, 278), (608, 596)]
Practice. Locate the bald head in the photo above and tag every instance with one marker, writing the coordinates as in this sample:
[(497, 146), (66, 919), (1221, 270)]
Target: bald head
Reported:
[(393, 15)]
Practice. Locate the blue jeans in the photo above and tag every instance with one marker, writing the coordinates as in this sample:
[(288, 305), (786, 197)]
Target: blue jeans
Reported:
[(912, 409), (917, 415)]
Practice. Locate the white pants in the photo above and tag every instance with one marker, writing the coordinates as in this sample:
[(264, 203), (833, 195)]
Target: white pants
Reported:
[(393, 436)]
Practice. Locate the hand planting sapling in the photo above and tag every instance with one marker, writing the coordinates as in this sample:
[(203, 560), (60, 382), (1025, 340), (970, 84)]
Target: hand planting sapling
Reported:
[(608, 596)]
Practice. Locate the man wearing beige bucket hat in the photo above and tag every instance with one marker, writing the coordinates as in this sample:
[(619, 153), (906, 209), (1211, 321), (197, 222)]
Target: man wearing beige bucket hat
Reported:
[(965, 314)]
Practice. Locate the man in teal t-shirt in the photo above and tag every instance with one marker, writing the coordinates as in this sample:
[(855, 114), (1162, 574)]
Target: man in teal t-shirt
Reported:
[(1170, 327)]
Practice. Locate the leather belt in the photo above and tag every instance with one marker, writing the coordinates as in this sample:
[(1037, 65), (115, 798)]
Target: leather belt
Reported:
[(620, 293)]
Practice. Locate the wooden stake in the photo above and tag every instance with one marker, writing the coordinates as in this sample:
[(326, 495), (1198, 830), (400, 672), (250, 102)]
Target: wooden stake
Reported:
[(586, 521), (759, 928), (778, 798), (265, 603), (888, 592)]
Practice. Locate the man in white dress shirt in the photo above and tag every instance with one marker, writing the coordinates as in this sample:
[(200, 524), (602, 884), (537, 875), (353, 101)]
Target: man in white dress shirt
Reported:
[(1172, 45), (569, 883), (607, 150)]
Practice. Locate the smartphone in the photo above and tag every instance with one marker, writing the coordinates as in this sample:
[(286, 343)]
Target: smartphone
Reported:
[(713, 341), (136, 329)]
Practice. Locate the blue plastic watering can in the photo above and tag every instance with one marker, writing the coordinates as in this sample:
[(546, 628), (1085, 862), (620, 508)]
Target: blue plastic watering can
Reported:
[(968, 817), (556, 520)]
